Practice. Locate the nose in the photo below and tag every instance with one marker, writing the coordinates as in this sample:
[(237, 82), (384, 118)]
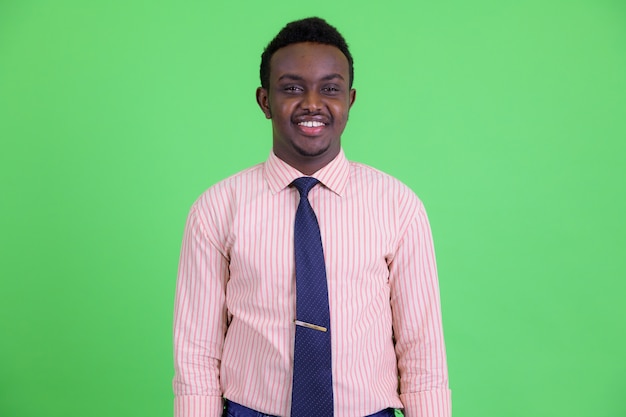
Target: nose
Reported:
[(312, 101)]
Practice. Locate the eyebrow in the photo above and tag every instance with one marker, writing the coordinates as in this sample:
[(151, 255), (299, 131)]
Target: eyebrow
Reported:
[(295, 77)]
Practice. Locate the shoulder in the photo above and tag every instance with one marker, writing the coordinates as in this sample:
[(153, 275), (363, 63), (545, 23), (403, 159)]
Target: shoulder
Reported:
[(249, 177), (221, 197), (367, 178)]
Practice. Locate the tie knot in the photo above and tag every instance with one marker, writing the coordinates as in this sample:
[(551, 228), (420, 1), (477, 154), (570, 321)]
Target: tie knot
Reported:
[(304, 185)]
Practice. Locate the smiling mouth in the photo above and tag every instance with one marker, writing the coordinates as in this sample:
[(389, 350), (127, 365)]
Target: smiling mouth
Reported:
[(311, 124), (311, 128)]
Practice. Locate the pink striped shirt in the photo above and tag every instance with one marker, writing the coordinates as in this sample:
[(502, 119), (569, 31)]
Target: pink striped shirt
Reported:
[(235, 300)]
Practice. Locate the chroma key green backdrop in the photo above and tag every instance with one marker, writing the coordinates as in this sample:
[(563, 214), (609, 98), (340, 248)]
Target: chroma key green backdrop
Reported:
[(508, 118)]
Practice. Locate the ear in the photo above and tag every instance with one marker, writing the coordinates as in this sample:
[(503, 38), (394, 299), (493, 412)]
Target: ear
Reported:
[(262, 98), (352, 97)]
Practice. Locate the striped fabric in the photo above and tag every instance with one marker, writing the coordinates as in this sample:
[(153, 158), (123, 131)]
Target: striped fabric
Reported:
[(235, 299)]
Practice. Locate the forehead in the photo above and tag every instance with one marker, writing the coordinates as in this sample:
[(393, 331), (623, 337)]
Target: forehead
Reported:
[(309, 60)]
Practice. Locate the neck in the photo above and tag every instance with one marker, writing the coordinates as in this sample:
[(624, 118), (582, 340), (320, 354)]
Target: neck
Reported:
[(307, 165)]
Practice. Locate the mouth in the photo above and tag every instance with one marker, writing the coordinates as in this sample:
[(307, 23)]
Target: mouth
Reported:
[(311, 124), (311, 127)]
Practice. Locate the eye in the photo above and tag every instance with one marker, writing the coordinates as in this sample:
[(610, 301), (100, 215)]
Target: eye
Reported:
[(292, 89), (330, 89)]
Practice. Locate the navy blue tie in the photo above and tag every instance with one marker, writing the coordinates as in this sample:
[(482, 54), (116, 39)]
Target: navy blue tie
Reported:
[(312, 364)]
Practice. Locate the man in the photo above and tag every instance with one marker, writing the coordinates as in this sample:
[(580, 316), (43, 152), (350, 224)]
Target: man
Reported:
[(246, 270)]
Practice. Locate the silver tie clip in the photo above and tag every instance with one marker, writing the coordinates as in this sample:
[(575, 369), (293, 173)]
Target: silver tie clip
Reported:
[(309, 325)]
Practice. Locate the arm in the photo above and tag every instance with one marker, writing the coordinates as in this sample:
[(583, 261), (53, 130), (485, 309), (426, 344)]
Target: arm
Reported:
[(200, 321), (417, 325)]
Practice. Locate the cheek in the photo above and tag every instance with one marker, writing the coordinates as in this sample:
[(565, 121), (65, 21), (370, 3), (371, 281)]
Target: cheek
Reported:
[(283, 111), (341, 113), (281, 119)]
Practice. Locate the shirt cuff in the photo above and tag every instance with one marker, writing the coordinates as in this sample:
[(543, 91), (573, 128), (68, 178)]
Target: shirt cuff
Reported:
[(436, 403), (198, 406)]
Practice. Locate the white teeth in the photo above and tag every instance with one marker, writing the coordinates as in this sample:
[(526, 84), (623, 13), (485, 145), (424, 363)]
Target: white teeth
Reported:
[(311, 124)]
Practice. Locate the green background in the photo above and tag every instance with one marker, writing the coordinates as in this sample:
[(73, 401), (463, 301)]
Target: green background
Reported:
[(508, 118)]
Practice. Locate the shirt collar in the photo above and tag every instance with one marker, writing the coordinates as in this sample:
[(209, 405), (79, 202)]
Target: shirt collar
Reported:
[(333, 176)]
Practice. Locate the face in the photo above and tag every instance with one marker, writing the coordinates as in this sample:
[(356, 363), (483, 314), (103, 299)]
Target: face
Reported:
[(308, 101)]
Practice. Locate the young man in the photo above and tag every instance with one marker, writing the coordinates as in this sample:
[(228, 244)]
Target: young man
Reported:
[(307, 284)]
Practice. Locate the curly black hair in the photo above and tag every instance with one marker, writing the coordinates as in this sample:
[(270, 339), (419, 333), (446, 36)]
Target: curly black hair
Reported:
[(312, 29)]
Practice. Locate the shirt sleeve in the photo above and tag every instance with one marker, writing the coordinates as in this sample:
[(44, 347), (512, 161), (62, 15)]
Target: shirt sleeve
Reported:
[(200, 320), (417, 323)]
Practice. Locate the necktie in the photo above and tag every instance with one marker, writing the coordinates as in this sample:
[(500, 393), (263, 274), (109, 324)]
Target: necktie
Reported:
[(312, 367)]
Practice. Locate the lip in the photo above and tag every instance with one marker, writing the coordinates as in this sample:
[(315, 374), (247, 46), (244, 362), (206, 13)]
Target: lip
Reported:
[(311, 131), (319, 123)]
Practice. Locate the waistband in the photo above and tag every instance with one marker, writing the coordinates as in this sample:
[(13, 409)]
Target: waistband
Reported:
[(237, 410)]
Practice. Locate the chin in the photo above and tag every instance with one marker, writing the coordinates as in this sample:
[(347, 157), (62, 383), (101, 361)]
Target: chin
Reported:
[(312, 152)]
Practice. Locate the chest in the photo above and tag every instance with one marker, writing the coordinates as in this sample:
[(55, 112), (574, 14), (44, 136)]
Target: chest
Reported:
[(358, 235)]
